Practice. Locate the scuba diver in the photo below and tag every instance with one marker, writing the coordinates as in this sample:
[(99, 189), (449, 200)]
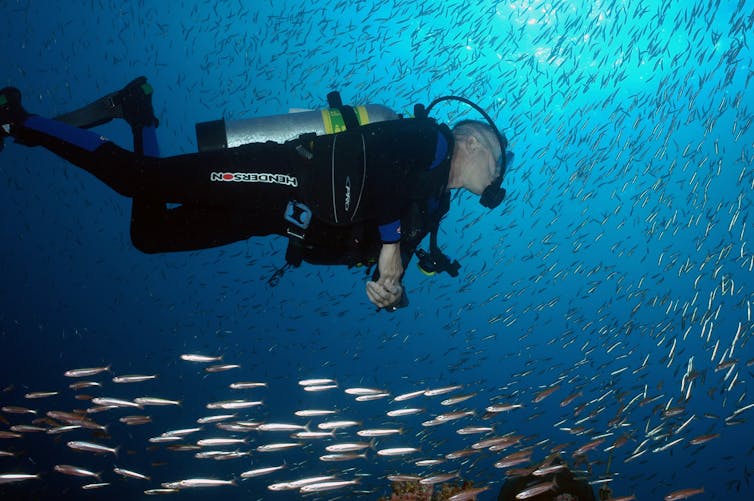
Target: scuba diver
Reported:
[(345, 185)]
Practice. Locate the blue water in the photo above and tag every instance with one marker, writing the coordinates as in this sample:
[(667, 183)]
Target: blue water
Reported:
[(625, 236)]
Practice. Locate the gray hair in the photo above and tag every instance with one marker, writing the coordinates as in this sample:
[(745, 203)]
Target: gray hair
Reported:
[(481, 131)]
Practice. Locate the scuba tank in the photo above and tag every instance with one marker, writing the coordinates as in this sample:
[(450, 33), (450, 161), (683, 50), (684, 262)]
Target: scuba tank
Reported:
[(219, 134)]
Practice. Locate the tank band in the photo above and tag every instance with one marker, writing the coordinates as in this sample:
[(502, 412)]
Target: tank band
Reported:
[(334, 122)]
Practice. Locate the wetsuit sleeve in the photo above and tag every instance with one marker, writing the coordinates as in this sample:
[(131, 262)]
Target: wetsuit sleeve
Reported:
[(390, 233)]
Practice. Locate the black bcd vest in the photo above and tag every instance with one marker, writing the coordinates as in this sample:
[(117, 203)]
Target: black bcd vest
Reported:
[(353, 174)]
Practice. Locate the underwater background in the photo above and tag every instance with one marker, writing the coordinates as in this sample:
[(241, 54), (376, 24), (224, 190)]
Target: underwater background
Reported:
[(617, 272)]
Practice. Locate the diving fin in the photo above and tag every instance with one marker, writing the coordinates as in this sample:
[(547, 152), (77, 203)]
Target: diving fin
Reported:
[(132, 103)]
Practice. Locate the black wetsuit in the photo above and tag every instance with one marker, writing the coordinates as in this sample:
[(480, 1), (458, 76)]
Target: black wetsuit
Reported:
[(379, 183)]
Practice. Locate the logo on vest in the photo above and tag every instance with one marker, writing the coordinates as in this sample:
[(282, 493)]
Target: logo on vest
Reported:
[(254, 177), (348, 194)]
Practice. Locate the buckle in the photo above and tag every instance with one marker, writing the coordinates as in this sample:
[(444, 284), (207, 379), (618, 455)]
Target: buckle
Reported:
[(303, 152), (298, 215), (300, 235)]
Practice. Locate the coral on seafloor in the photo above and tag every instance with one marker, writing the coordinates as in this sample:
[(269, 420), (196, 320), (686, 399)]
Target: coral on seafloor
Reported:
[(414, 491)]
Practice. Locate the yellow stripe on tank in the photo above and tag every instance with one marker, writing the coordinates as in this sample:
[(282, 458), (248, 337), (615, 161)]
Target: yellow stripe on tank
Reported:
[(362, 115), (333, 121)]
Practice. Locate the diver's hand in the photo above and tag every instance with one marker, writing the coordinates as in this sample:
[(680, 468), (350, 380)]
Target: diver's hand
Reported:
[(383, 296), (387, 290)]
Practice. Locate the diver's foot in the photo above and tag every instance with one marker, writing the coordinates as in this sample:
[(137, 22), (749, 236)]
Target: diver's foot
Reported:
[(12, 113), (134, 104)]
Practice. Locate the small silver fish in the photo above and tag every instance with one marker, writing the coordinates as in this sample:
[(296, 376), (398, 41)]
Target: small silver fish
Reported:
[(332, 425), (441, 391), (316, 382), (155, 401), (130, 474), (87, 371), (246, 385), (133, 378), (407, 396), (115, 402), (280, 427), (215, 419), (536, 490), (181, 432), (279, 446), (41, 394), (397, 451), (313, 413), (327, 486), (14, 409), (203, 482), (98, 485), (192, 357), (234, 404), (221, 368), (363, 391), (92, 447), (12, 478), (258, 472), (348, 447), (379, 432), (68, 469), (404, 412), (217, 442)]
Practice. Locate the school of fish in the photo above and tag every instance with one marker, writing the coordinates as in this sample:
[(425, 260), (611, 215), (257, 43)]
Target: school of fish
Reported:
[(615, 320)]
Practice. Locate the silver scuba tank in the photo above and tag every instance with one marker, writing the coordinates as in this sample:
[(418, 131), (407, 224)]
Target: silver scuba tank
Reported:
[(219, 134)]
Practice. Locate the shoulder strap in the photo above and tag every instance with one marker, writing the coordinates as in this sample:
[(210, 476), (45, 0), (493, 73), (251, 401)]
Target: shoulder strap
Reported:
[(349, 115)]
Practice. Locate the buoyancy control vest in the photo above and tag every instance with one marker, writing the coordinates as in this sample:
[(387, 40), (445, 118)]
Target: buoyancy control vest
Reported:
[(373, 172), (384, 169)]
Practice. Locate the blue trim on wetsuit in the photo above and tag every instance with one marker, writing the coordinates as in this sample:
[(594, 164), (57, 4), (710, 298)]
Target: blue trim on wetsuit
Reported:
[(84, 139), (441, 151), (149, 137), (390, 233)]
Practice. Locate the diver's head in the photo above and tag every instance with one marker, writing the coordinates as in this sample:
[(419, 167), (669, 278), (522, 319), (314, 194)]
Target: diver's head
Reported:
[(477, 157)]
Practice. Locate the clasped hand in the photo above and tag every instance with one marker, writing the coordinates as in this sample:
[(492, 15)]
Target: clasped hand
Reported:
[(387, 290)]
